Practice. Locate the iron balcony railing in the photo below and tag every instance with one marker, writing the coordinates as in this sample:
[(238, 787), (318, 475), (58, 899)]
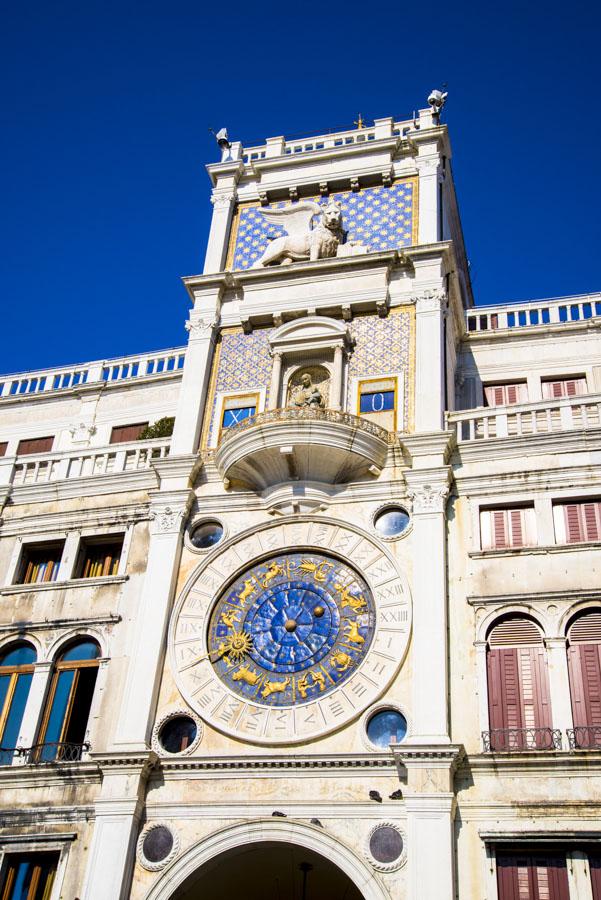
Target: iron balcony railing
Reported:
[(518, 740), (56, 752), (585, 737), (293, 414)]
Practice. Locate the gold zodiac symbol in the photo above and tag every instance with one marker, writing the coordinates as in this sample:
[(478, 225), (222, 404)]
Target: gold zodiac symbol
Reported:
[(319, 680), (274, 687), (347, 599), (230, 619), (303, 683), (249, 586), (247, 675), (341, 661), (317, 570), (353, 632), (273, 570)]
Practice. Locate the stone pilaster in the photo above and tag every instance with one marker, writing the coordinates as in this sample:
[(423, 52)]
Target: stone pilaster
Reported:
[(224, 203), (430, 310), (429, 490), (118, 813), (430, 804)]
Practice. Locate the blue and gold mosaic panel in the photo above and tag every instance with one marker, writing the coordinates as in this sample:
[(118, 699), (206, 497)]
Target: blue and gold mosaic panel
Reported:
[(382, 346), (381, 218), (291, 629)]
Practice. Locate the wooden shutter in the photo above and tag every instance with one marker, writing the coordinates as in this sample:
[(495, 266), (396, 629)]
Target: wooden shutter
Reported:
[(563, 387), (584, 666), (506, 394), (536, 877), (35, 445), (582, 521), (122, 434), (518, 681), (3, 447), (503, 528)]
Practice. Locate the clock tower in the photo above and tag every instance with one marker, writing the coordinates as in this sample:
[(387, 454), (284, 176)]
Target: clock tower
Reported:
[(300, 531)]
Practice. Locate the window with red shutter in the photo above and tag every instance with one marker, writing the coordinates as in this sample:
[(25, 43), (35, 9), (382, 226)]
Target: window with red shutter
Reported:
[(563, 387), (3, 447), (518, 685), (584, 667), (532, 876), (506, 528), (594, 862), (578, 521), (506, 394), (35, 445), (122, 434)]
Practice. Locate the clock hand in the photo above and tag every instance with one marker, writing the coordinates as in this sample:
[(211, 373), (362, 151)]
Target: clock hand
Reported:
[(236, 646)]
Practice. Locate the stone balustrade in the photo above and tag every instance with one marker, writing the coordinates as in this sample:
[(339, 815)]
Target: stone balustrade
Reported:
[(125, 368), (558, 311), (42, 468), (294, 414), (526, 419)]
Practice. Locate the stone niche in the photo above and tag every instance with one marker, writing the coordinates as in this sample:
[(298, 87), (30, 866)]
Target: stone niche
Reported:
[(309, 363)]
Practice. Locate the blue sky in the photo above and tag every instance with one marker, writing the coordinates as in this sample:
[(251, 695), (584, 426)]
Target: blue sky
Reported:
[(105, 117)]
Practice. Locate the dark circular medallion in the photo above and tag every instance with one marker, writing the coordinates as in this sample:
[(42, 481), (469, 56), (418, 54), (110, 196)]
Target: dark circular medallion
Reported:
[(386, 844), (157, 844)]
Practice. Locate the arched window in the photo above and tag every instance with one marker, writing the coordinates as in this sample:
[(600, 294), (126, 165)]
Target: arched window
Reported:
[(16, 672), (518, 687), (68, 705), (584, 665)]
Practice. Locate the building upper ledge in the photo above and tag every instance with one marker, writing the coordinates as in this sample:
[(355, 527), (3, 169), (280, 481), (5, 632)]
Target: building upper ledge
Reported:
[(385, 135), (388, 259), (529, 317)]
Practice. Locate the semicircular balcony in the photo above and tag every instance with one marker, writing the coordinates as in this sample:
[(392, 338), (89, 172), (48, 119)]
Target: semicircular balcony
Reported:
[(314, 445)]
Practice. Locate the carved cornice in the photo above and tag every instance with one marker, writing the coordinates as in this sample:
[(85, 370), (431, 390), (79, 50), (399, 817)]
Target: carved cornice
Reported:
[(279, 763)]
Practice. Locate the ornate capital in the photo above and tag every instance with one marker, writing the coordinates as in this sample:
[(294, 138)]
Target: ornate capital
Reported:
[(222, 201), (200, 328), (429, 498), (168, 519), (431, 301), (81, 433)]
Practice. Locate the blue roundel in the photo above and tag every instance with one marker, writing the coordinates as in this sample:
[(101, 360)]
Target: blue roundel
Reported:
[(291, 629)]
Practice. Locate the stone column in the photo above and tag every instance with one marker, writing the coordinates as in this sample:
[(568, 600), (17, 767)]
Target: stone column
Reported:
[(336, 388), (430, 309), (559, 685), (197, 368), (429, 489), (223, 210), (118, 813), (430, 804), (33, 708), (275, 387), (168, 511)]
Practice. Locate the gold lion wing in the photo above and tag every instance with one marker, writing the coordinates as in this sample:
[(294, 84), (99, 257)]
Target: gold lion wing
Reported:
[(295, 219)]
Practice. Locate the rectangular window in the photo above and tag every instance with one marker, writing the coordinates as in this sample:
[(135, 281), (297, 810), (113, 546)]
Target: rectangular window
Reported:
[(378, 401), (577, 521), (40, 563), (99, 557), (505, 394), (29, 876), (237, 414), (238, 407), (122, 434), (35, 445), (532, 876), (3, 447), (506, 528), (563, 387)]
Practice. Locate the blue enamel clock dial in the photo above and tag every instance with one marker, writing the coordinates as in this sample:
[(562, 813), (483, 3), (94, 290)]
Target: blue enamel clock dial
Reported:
[(291, 629)]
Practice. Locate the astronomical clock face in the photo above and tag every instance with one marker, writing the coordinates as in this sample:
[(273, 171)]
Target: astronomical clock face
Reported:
[(296, 643), (291, 629)]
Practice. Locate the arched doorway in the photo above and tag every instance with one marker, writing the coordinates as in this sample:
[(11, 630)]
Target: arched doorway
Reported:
[(250, 856), (269, 871)]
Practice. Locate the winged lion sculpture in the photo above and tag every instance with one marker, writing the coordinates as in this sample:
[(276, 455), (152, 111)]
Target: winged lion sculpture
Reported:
[(302, 241)]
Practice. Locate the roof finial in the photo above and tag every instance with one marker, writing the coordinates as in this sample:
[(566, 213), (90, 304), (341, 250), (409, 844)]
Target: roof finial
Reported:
[(359, 123)]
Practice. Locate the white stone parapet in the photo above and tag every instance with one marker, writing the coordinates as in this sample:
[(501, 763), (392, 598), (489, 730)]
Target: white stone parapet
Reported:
[(279, 146), (124, 368), (41, 468), (555, 311), (525, 419)]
